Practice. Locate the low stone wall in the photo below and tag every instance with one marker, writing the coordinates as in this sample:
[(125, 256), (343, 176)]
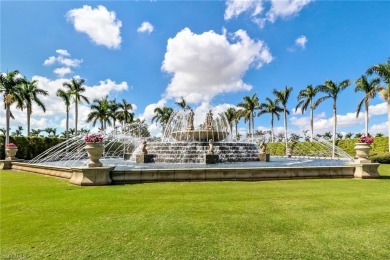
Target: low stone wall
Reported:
[(231, 174), (85, 176)]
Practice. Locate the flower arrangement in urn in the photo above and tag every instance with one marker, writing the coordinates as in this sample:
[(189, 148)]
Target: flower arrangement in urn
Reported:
[(363, 147), (94, 138), (95, 147), (366, 139), (11, 150)]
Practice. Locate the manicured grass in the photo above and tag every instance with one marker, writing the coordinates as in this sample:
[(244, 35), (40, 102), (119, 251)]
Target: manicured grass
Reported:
[(46, 217)]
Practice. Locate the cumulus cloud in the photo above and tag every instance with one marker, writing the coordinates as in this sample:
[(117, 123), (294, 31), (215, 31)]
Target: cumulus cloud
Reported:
[(101, 25), (205, 65), (145, 27), (301, 42), (63, 59), (259, 14)]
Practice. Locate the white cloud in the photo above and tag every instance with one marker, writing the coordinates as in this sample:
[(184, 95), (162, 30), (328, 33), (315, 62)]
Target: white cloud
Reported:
[(63, 52), (259, 14), (101, 25), (301, 42), (148, 114), (205, 65), (61, 72), (234, 8), (379, 128), (63, 61), (145, 27)]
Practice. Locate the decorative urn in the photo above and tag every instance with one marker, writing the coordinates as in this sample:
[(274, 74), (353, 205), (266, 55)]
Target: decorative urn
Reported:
[(94, 146), (363, 147), (11, 150)]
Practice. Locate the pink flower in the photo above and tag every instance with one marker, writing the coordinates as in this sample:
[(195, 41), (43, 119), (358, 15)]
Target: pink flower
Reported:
[(94, 138), (366, 139), (10, 145)]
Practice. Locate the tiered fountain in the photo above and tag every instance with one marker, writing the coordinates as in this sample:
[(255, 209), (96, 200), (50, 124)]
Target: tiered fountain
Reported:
[(183, 143)]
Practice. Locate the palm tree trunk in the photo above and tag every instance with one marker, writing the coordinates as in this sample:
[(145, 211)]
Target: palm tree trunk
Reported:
[(249, 125), (67, 125), (366, 119), (76, 117), (311, 121), (285, 128), (334, 129), (7, 123), (28, 119), (253, 125), (388, 120), (272, 127), (236, 129)]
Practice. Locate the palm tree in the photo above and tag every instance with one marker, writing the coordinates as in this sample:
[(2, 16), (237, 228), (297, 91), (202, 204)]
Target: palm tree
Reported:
[(2, 130), (35, 132), (332, 90), (124, 115), (29, 93), (100, 110), (249, 106), (383, 70), (273, 108), (305, 98), (370, 88), (65, 96), (113, 107), (18, 132), (9, 85), (231, 115), (282, 96), (76, 88), (162, 115), (183, 104)]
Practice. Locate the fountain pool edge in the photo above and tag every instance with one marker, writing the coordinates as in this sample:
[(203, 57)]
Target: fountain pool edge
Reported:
[(196, 174)]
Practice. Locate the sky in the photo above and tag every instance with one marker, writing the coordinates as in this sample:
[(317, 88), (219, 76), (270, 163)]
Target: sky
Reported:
[(213, 53)]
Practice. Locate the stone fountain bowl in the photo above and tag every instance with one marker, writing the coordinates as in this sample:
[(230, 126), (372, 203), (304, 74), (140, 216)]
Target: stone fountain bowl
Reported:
[(201, 135)]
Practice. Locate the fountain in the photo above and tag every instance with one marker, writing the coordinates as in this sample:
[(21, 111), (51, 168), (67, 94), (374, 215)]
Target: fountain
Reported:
[(188, 153)]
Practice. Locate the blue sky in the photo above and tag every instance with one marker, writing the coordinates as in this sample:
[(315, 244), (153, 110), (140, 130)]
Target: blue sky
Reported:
[(211, 52)]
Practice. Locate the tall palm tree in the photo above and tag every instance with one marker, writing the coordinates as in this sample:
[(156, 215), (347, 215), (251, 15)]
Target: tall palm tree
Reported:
[(282, 96), (273, 108), (162, 115), (29, 93), (10, 84), (305, 100), (66, 97), (370, 88), (249, 106), (113, 110), (383, 70), (183, 104), (124, 115), (231, 115), (75, 88), (332, 90), (100, 111)]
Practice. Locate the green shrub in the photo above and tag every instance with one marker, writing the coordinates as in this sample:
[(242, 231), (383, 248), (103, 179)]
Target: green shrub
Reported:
[(29, 147), (381, 158)]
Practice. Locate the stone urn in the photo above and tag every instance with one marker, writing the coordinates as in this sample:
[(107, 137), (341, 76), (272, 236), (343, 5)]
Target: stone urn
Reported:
[(95, 152), (11, 152), (362, 150)]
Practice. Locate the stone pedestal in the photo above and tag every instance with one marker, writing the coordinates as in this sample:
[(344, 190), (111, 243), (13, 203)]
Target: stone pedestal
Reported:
[(211, 158), (366, 170), (88, 176), (144, 158), (7, 164), (264, 157)]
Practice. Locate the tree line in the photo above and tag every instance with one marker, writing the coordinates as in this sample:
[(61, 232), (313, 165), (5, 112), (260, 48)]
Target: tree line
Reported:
[(19, 90)]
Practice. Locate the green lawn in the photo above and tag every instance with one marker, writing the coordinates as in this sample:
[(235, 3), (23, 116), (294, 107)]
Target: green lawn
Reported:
[(46, 217)]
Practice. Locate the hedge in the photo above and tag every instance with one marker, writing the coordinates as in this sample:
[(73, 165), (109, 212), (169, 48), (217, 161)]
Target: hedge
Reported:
[(379, 146), (29, 147)]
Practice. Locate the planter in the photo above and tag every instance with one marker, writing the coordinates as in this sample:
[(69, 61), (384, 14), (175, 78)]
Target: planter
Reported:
[(11, 152), (362, 150), (95, 152)]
